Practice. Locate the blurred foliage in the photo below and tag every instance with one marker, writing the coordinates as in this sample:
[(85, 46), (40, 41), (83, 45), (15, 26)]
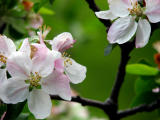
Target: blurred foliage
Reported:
[(90, 34)]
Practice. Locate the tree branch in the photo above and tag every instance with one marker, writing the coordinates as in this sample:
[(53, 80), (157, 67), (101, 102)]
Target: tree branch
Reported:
[(82, 101), (141, 108), (125, 51)]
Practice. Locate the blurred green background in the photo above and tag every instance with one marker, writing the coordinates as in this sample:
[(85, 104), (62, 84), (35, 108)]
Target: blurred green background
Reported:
[(75, 16)]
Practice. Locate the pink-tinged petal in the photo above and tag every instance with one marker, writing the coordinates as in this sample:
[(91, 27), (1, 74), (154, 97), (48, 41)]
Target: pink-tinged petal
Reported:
[(57, 83), (43, 60), (39, 103), (76, 72), (25, 47), (153, 10), (143, 33), (6, 46), (105, 15), (119, 7), (14, 90), (19, 64), (3, 76), (59, 64), (62, 42), (122, 30)]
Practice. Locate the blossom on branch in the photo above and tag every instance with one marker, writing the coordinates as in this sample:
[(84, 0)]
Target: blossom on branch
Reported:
[(74, 71), (131, 16), (37, 72)]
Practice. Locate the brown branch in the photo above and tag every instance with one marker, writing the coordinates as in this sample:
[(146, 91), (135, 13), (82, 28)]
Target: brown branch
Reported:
[(142, 108), (125, 51), (82, 101)]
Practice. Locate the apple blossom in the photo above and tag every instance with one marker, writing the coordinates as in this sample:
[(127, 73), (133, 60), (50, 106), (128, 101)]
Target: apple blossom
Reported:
[(32, 79), (62, 42), (74, 71), (126, 14), (7, 47)]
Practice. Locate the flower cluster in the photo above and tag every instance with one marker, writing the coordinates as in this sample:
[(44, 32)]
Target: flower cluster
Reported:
[(36, 71), (131, 16)]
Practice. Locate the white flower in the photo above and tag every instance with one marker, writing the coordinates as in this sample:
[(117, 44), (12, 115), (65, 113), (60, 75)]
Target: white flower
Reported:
[(7, 47), (33, 79), (73, 70), (128, 13)]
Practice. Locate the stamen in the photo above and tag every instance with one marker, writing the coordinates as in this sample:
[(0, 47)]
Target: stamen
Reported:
[(67, 59), (137, 10), (3, 59), (35, 79)]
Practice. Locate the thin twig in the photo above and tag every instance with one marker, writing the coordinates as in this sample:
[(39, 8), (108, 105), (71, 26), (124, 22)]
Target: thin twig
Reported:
[(142, 108), (82, 101)]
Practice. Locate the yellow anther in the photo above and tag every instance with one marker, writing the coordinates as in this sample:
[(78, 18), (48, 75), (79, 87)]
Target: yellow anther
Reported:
[(136, 10), (3, 59), (67, 59), (35, 79)]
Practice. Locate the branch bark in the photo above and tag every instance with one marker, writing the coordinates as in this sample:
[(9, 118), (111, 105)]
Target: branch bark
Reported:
[(125, 51), (142, 108), (82, 101)]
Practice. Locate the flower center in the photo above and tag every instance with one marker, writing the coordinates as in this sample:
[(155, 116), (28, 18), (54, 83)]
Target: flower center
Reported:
[(67, 60), (3, 59), (136, 10), (34, 80)]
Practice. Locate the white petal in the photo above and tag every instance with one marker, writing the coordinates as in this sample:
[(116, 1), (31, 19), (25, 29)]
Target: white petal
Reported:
[(43, 63), (25, 47), (119, 8), (57, 83), (3, 76), (6, 46), (143, 33), (14, 90), (122, 30), (19, 64), (153, 10), (39, 103), (105, 15), (76, 72)]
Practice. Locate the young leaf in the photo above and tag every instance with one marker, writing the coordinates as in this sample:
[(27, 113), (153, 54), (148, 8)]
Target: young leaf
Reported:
[(141, 69), (46, 11)]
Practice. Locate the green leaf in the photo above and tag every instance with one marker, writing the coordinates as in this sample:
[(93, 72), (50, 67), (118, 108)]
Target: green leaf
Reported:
[(13, 110), (38, 5), (23, 116), (145, 84), (144, 98), (141, 69), (46, 11)]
